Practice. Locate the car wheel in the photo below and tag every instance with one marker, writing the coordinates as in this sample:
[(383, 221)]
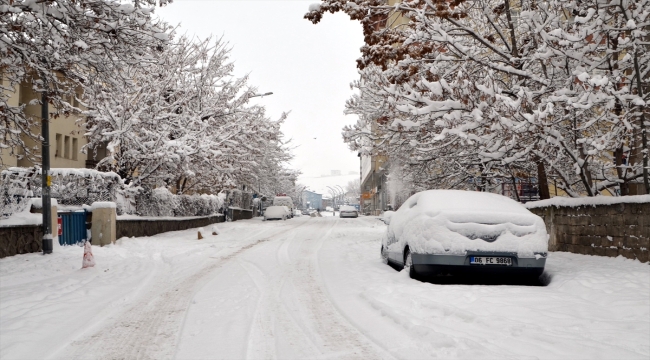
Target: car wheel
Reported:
[(384, 255), (408, 264)]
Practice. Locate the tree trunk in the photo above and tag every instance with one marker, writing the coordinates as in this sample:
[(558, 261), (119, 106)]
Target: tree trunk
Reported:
[(618, 160), (542, 181)]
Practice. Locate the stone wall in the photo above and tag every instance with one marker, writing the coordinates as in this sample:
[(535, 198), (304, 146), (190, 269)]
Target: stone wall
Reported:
[(241, 214), (604, 229), (150, 227), (20, 239)]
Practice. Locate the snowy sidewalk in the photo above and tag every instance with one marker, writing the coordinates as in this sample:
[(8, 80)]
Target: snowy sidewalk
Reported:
[(307, 288)]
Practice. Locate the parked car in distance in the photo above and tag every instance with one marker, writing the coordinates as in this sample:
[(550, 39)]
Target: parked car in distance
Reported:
[(284, 201), (297, 213), (348, 211), (305, 212), (440, 232), (276, 213)]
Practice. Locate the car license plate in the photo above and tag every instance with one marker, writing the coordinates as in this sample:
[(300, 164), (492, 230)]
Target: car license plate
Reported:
[(490, 260)]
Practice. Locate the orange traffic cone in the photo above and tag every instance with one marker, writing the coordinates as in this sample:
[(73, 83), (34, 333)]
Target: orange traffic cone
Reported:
[(89, 260)]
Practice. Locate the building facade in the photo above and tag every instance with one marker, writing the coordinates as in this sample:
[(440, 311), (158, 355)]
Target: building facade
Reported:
[(312, 200), (374, 189), (65, 136)]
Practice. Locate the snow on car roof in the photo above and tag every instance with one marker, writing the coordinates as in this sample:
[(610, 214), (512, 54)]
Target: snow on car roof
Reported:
[(462, 200), (348, 208)]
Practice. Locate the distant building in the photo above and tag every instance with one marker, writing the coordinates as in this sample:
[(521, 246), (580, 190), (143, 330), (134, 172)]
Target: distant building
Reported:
[(312, 200), (374, 194)]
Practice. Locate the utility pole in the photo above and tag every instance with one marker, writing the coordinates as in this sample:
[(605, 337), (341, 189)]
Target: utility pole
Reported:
[(45, 175)]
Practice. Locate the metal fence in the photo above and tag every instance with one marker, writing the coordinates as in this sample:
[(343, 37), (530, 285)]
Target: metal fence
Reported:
[(78, 187), (73, 187)]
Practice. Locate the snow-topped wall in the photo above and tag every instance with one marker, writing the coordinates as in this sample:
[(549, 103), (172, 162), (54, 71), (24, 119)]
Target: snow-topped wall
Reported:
[(598, 226)]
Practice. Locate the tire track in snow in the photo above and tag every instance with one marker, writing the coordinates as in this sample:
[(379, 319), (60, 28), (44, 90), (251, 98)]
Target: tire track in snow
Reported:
[(340, 338), (149, 328), (294, 310), (274, 333)]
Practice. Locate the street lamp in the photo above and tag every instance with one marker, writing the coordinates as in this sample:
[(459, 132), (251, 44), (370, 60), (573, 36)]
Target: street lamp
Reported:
[(333, 193), (342, 194)]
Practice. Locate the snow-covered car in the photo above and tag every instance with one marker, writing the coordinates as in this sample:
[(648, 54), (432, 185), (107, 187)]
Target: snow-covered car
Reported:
[(276, 213), (305, 212), (288, 211), (297, 213), (463, 232), (284, 201), (348, 211)]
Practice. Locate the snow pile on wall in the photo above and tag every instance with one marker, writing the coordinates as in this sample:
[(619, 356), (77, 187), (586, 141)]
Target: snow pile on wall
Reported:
[(25, 216), (37, 203), (103, 205), (559, 201), (453, 222)]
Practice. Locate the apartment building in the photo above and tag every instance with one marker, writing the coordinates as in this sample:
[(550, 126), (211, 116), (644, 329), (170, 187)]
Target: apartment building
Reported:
[(66, 137)]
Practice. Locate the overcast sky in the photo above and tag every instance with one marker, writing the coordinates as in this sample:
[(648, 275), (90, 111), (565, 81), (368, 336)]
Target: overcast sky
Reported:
[(307, 67)]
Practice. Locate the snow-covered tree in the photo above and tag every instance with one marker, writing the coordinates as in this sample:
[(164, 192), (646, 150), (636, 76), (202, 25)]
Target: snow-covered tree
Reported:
[(492, 89), (272, 175), (598, 59), (185, 122), (353, 188), (60, 45)]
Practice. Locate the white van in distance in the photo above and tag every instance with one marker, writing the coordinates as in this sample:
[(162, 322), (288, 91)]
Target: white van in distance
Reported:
[(284, 201)]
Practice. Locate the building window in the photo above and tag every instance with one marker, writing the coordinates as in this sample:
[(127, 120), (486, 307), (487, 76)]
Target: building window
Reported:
[(66, 147), (59, 146), (75, 148)]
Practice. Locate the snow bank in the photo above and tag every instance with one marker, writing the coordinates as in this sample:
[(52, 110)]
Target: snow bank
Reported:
[(103, 205), (453, 222), (593, 201), (38, 203), (22, 218), (26, 217)]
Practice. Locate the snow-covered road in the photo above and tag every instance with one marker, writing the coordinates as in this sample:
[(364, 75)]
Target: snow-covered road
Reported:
[(307, 288)]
